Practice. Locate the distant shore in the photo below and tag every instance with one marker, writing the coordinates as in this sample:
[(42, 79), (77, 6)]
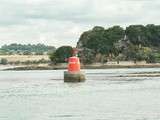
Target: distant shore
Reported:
[(42, 62), (64, 66)]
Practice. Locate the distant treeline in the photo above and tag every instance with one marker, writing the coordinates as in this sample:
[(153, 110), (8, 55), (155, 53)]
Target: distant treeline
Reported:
[(28, 49)]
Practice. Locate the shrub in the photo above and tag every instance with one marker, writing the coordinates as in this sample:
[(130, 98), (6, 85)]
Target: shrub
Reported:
[(4, 61), (61, 54)]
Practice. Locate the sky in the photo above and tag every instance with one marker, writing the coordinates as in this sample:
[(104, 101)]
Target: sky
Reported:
[(61, 22)]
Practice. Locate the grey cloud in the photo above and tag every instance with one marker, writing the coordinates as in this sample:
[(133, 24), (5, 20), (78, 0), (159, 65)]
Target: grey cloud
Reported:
[(82, 11), (62, 21)]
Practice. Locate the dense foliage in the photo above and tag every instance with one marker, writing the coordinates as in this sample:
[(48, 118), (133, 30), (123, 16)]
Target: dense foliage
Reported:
[(136, 42), (101, 40), (61, 54), (3, 61), (26, 49)]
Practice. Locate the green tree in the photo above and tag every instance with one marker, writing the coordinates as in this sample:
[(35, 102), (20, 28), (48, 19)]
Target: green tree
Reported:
[(137, 35), (4, 61), (153, 34), (102, 41), (112, 35), (61, 54), (87, 56)]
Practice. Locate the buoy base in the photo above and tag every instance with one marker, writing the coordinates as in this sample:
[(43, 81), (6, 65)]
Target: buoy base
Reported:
[(74, 77)]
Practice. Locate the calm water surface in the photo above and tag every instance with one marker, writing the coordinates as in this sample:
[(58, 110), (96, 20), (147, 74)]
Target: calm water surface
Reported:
[(42, 95)]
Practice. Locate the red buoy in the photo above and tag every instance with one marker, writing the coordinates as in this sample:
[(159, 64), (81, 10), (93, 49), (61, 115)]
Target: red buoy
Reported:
[(73, 64), (74, 74)]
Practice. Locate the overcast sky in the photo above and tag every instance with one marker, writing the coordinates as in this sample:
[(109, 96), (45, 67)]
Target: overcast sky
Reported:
[(60, 22)]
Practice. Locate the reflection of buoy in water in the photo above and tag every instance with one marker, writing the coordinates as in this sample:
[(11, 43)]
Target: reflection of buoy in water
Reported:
[(74, 74)]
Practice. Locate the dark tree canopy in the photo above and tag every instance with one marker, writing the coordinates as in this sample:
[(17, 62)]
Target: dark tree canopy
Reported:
[(135, 42), (61, 54), (101, 40), (137, 34)]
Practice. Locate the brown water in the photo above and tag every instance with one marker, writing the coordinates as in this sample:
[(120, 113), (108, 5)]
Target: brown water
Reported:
[(42, 95)]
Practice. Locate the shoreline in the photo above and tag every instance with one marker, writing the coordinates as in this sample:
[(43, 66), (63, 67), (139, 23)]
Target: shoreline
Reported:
[(93, 66)]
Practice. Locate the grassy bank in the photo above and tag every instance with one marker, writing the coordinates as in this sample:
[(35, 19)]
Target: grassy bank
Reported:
[(23, 58)]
